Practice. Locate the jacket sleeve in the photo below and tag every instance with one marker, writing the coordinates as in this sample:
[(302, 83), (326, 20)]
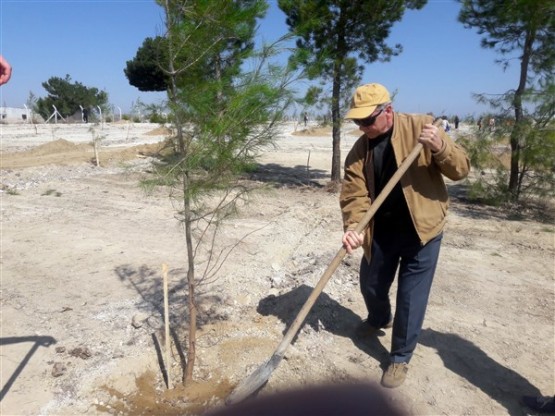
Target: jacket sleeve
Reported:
[(452, 159), (354, 199)]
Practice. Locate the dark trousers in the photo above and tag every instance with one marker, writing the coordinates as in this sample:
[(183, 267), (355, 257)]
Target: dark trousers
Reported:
[(417, 264)]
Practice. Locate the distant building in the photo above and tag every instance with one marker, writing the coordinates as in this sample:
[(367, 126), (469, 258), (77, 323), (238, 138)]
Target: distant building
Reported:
[(15, 115)]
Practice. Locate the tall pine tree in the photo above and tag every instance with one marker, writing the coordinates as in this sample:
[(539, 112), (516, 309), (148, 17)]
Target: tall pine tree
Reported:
[(333, 35), (521, 30), (223, 115)]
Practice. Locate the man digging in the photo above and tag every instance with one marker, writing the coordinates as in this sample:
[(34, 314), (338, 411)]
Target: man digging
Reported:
[(407, 229)]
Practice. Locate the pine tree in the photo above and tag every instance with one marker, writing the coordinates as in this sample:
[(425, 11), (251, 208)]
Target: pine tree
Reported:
[(223, 116), (332, 36), (68, 96), (521, 30)]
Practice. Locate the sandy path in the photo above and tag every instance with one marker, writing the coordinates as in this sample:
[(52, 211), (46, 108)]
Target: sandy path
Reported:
[(81, 254)]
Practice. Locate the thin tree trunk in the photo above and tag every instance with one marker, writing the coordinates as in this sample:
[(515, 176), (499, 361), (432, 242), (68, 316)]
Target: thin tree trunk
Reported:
[(192, 341), (336, 128), (183, 148), (517, 128), (336, 100)]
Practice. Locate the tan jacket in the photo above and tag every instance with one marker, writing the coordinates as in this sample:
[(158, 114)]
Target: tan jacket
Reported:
[(423, 185)]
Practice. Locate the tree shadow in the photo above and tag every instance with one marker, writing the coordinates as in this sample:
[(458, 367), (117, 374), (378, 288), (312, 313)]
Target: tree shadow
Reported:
[(466, 207), (463, 205), (297, 176), (148, 284), (462, 357), (326, 313), (38, 341)]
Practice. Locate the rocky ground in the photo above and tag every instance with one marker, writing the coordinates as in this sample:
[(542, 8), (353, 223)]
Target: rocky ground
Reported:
[(82, 299)]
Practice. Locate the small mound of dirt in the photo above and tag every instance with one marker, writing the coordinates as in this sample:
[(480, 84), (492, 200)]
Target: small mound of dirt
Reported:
[(142, 150), (160, 131), (62, 152), (313, 131), (57, 146)]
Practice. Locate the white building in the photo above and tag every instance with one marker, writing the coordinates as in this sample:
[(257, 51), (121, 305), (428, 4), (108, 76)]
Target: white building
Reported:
[(15, 115)]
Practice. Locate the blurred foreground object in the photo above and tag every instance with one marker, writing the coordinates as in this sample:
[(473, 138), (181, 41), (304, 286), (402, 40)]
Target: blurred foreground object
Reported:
[(361, 399)]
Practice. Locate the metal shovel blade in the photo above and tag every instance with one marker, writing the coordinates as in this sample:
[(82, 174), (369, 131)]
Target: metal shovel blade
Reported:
[(255, 381)]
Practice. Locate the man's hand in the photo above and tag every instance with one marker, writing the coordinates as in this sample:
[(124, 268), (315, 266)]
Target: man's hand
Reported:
[(352, 240), (430, 138), (5, 70)]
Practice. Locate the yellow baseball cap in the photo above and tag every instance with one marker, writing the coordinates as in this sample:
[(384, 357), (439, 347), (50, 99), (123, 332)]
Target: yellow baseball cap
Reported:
[(366, 99)]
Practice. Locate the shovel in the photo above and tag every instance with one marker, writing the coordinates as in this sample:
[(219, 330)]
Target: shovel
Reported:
[(261, 375)]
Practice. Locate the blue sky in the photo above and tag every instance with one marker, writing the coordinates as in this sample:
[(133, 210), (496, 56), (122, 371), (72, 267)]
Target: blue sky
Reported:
[(442, 63)]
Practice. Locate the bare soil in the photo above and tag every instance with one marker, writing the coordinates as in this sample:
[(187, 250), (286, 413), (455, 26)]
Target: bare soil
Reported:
[(82, 302)]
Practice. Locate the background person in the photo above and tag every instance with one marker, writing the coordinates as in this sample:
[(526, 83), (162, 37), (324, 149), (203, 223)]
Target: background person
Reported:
[(491, 124), (445, 124), (406, 231)]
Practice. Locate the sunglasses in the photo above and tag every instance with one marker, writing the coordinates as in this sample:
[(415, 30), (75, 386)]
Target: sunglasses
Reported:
[(368, 121)]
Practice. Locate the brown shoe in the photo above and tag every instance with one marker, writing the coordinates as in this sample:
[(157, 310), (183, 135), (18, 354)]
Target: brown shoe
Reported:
[(366, 330), (395, 375)]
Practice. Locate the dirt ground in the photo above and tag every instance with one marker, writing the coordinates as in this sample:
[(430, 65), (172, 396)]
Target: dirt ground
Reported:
[(82, 301)]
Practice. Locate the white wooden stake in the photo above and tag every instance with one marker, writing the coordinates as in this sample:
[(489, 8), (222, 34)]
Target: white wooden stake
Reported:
[(167, 323)]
